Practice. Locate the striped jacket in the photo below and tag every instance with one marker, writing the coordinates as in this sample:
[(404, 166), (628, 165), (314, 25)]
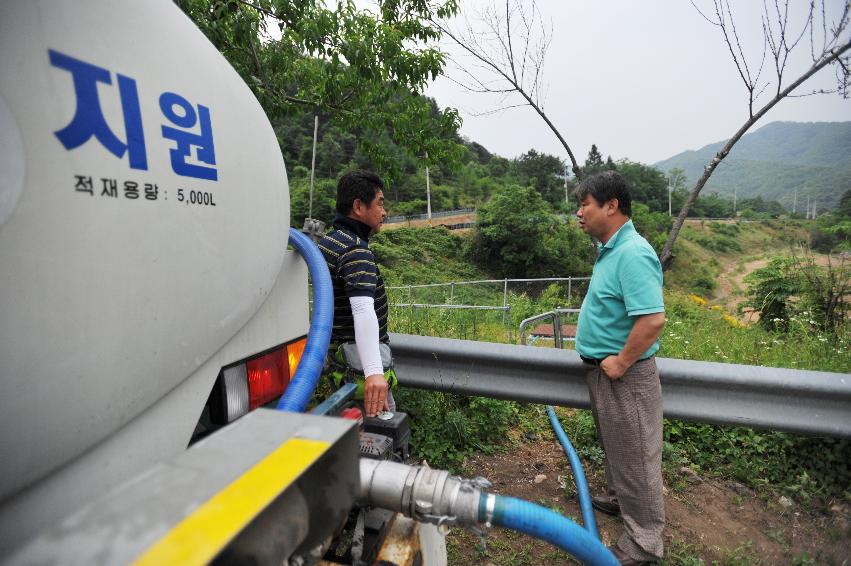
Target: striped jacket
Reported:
[(354, 273)]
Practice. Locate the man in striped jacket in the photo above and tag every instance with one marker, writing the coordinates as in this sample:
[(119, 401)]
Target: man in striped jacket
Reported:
[(360, 300)]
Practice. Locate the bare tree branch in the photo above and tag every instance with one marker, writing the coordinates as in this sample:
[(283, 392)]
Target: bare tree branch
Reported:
[(836, 46), (509, 59)]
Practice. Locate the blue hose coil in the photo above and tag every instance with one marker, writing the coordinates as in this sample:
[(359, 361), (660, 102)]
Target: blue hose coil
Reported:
[(301, 387), (578, 474), (544, 524)]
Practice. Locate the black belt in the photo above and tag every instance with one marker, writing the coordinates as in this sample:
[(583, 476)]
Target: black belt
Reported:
[(594, 361)]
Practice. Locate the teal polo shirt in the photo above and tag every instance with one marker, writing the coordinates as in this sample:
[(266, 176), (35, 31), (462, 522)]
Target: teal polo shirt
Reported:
[(625, 284)]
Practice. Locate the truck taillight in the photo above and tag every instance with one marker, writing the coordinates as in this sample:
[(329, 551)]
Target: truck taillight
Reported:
[(250, 384), (269, 375), (294, 352)]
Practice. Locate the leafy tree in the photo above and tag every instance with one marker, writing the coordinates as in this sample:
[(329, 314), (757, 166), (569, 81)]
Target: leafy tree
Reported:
[(824, 291), (541, 171), (653, 226), (843, 210), (324, 199), (769, 291), (793, 285), (517, 235), (357, 69), (649, 185), (712, 206), (594, 162), (764, 208)]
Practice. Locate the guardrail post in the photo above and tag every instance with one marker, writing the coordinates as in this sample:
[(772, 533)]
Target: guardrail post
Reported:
[(504, 298), (557, 329)]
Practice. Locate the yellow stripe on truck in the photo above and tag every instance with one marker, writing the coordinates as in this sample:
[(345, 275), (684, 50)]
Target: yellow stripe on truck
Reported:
[(203, 534)]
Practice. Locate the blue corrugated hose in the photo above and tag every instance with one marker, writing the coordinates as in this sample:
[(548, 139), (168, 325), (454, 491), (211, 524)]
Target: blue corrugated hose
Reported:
[(578, 474), (304, 381), (544, 524)]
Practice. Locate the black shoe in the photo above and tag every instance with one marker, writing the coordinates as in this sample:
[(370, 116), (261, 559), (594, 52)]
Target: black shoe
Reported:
[(625, 559), (606, 504)]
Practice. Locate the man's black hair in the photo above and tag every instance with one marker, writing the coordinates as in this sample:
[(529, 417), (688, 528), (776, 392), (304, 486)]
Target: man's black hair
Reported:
[(357, 184), (606, 186)]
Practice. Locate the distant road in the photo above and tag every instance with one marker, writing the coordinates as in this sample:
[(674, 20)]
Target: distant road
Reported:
[(463, 219)]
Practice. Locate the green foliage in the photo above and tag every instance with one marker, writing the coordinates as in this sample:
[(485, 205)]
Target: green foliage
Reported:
[(801, 466), (721, 244), (324, 199), (697, 332), (843, 210), (594, 162), (711, 206), (417, 255), (731, 230), (654, 226), (540, 171), (695, 269), (791, 289), (362, 70), (517, 235), (649, 185), (447, 428), (832, 232)]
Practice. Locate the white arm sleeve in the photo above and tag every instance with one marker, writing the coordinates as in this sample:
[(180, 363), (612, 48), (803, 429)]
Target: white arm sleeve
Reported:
[(366, 334)]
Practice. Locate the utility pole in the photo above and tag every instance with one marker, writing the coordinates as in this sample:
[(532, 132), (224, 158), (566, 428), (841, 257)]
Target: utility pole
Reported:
[(566, 199), (670, 188), (795, 202), (312, 227), (313, 164), (808, 208), (735, 193), (428, 192)]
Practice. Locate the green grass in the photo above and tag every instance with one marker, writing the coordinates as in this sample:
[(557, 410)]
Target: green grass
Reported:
[(447, 428)]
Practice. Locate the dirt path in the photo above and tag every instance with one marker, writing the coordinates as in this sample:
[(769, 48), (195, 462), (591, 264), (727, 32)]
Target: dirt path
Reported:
[(709, 520), (731, 282)]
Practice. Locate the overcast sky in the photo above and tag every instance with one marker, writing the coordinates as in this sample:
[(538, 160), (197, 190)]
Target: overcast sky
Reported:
[(642, 80)]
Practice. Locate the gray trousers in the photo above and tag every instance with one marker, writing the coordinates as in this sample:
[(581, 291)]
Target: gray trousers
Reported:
[(628, 416)]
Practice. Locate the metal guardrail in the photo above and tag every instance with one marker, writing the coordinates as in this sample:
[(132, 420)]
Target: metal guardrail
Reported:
[(808, 402), (555, 316)]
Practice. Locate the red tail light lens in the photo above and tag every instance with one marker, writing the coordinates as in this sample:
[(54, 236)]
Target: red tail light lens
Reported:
[(268, 377)]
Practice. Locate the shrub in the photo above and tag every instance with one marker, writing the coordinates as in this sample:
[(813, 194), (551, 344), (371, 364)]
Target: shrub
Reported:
[(446, 428)]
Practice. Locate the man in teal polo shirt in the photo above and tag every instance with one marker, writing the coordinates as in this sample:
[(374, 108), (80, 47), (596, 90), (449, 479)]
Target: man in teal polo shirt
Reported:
[(617, 337)]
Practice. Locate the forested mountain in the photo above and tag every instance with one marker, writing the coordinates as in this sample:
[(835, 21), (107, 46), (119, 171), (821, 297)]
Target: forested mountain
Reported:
[(812, 158)]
